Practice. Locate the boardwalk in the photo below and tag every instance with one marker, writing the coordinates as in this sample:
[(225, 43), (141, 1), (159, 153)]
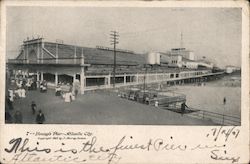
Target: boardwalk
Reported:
[(99, 108)]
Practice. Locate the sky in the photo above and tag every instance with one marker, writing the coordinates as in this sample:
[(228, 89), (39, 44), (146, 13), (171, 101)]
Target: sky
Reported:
[(211, 32)]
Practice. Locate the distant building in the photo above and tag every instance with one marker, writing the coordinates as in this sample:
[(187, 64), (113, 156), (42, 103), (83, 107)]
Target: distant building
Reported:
[(190, 63), (171, 60), (188, 54), (174, 57), (204, 63), (231, 69), (180, 57), (153, 58)]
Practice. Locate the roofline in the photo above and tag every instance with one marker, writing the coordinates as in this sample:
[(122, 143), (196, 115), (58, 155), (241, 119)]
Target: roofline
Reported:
[(77, 46), (50, 64)]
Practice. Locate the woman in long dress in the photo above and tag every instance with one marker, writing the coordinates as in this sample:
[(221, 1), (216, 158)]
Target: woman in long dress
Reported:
[(67, 97)]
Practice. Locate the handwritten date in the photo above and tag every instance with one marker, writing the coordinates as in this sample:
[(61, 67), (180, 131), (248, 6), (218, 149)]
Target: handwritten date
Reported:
[(224, 133)]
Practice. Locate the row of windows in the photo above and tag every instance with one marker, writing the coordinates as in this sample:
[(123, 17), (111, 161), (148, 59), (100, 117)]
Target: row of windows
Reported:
[(187, 74), (184, 74), (174, 61)]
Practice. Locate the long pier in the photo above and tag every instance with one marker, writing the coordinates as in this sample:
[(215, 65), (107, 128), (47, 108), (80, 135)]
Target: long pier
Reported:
[(151, 78), (92, 81)]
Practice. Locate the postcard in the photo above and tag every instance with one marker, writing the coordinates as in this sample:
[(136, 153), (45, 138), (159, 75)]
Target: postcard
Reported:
[(124, 82)]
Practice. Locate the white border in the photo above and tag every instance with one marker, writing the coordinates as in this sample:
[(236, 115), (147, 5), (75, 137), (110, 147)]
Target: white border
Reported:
[(141, 131)]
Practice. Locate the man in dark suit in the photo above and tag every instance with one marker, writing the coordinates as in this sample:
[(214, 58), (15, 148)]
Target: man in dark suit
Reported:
[(40, 118), (183, 108)]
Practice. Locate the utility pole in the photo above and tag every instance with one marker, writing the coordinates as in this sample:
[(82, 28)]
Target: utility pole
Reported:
[(145, 78), (114, 40), (181, 41)]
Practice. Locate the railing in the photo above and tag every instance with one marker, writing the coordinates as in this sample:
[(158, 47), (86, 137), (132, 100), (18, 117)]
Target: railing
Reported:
[(76, 60), (173, 104), (17, 61), (102, 61), (221, 119), (167, 100), (141, 80), (71, 61)]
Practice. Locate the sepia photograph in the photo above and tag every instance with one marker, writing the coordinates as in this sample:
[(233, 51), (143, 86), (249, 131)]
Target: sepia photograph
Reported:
[(124, 66), (126, 82)]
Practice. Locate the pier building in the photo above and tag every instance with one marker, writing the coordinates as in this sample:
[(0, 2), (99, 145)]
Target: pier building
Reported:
[(92, 68)]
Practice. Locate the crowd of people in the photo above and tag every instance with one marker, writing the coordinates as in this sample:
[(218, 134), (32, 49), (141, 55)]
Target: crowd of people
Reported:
[(17, 89), (17, 117), (67, 91)]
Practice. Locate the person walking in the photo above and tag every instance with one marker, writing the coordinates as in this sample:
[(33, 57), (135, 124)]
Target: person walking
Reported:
[(183, 108), (8, 117), (33, 107), (40, 118), (10, 103), (156, 103), (18, 117), (58, 90), (224, 101)]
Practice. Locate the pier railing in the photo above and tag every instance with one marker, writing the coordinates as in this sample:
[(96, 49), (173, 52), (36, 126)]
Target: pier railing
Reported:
[(171, 101), (165, 100), (218, 118)]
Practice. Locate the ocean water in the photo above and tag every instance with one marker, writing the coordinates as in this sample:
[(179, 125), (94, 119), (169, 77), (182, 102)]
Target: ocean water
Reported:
[(210, 97)]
